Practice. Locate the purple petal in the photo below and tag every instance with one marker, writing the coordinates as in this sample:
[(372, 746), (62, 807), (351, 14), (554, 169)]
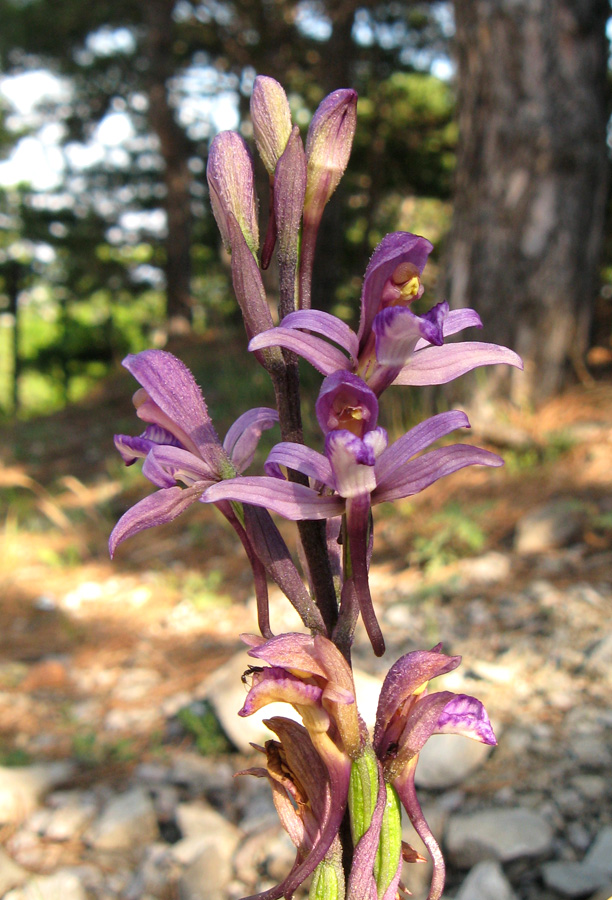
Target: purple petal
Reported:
[(467, 716), (300, 459), (417, 474), (133, 447), (439, 365), (397, 331), (415, 440), (395, 248), (278, 685), (292, 501), (345, 400), (325, 358), (178, 465), (292, 650), (352, 460), (242, 438), (173, 389), (331, 327), (459, 319), (157, 509), (408, 675)]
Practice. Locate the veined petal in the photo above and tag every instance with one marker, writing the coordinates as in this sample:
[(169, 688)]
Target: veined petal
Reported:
[(419, 473), (415, 440), (467, 716), (243, 436), (132, 447), (292, 650), (156, 509), (325, 358), (331, 327), (179, 465), (278, 685), (395, 248), (352, 461), (458, 319), (293, 501), (397, 331), (439, 365), (346, 401), (173, 389), (300, 458), (406, 677)]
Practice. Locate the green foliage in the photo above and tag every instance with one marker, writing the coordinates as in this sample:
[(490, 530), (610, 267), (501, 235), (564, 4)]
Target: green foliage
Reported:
[(90, 751), (454, 534), (202, 724), (14, 756)]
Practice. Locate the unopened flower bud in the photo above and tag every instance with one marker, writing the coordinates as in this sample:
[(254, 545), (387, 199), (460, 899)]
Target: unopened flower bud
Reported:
[(271, 120), (327, 881), (232, 190), (328, 147)]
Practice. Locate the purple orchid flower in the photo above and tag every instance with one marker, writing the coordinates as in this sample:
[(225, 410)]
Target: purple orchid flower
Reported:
[(407, 717), (183, 456), (356, 471), (180, 447), (311, 674), (392, 345)]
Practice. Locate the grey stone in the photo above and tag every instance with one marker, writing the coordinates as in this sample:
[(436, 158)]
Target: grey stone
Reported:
[(264, 850), (62, 885), (196, 819), (447, 760), (591, 750), (499, 834), (71, 817), (573, 879), (600, 854), (599, 660), (127, 821), (209, 875), (202, 775), (549, 526), (22, 787), (11, 874), (490, 568), (593, 787), (486, 881)]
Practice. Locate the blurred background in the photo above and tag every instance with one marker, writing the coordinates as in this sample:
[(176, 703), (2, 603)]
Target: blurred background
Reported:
[(483, 126)]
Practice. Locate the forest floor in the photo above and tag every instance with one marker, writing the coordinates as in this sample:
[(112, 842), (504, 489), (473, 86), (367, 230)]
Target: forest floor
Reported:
[(97, 657)]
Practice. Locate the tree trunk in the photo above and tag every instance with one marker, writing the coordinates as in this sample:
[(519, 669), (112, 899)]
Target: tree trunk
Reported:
[(174, 149), (531, 181)]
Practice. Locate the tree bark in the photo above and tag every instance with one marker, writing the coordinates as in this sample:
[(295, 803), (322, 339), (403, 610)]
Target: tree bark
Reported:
[(531, 181), (174, 149)]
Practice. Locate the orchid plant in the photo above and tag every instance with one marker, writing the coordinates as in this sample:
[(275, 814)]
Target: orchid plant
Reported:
[(339, 791)]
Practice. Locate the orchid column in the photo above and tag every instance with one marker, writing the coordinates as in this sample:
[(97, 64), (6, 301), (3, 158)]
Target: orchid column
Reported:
[(339, 791)]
